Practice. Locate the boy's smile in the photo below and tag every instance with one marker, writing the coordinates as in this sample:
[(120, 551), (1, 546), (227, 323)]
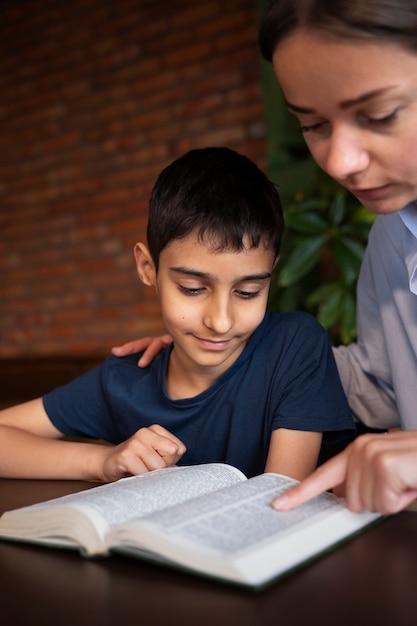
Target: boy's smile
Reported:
[(211, 301)]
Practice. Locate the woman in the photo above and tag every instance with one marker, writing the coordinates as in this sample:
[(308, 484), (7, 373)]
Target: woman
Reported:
[(348, 71)]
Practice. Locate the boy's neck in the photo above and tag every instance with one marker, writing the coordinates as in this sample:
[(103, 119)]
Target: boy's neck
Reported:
[(185, 388), (183, 382)]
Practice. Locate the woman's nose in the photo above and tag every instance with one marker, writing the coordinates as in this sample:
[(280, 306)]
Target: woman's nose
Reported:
[(346, 154)]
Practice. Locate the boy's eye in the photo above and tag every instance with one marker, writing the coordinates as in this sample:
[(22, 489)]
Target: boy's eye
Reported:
[(190, 291), (247, 294)]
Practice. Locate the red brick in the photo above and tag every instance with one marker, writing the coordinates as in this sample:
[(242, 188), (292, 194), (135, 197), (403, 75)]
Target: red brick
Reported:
[(88, 122)]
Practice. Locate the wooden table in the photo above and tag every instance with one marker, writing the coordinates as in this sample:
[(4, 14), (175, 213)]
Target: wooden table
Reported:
[(371, 580)]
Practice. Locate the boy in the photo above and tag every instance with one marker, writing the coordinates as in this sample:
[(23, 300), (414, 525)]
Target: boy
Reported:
[(238, 385)]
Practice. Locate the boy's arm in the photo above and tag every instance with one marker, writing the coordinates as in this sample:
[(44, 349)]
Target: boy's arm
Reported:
[(31, 447), (293, 453)]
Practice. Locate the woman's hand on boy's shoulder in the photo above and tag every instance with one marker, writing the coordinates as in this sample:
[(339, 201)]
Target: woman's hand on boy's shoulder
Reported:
[(151, 346)]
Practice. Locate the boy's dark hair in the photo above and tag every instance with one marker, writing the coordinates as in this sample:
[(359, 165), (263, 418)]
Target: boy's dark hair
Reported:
[(220, 194)]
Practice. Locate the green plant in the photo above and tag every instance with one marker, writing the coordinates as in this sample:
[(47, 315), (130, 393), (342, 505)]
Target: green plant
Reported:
[(326, 229), (323, 245)]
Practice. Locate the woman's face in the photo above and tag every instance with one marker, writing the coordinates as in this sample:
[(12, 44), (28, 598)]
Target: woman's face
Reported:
[(357, 106)]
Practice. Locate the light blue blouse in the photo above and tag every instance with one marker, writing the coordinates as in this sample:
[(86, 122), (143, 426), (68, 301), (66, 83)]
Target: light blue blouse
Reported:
[(379, 372)]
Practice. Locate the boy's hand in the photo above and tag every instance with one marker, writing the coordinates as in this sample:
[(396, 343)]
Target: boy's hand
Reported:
[(148, 449), (151, 346)]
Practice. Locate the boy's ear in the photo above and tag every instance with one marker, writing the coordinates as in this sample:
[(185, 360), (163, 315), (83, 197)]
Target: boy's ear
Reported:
[(145, 265), (276, 261)]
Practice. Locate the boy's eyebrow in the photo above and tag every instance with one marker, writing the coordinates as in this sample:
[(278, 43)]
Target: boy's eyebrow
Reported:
[(345, 104), (190, 272)]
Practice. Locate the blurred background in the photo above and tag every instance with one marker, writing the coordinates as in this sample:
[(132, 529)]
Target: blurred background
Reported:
[(96, 98)]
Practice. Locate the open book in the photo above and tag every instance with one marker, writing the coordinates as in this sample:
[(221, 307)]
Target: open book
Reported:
[(208, 519)]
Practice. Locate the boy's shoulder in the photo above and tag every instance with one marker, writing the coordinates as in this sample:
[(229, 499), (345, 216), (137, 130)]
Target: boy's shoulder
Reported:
[(122, 373), (298, 320), (130, 361), (126, 361), (286, 332)]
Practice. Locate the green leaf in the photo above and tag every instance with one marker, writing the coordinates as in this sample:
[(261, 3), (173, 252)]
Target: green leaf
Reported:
[(307, 223), (348, 318), (310, 204), (337, 209), (358, 231), (329, 311), (302, 260), (361, 214), (356, 248), (321, 294), (287, 299), (348, 255)]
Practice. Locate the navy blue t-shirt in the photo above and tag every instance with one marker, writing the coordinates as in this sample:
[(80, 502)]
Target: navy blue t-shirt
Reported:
[(286, 377)]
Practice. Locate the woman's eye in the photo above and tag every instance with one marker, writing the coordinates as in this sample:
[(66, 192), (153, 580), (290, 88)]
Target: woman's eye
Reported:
[(320, 127), (307, 128), (382, 121)]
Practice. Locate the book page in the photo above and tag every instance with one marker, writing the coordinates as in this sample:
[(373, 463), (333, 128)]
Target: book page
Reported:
[(235, 534), (131, 498), (235, 518)]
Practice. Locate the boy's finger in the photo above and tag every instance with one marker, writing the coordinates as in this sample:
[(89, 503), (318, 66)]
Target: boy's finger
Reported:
[(166, 444)]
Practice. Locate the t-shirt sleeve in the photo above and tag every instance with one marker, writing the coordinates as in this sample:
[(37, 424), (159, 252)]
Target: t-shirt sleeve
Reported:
[(81, 407), (311, 396)]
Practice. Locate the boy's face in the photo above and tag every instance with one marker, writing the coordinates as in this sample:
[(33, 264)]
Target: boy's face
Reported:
[(211, 302)]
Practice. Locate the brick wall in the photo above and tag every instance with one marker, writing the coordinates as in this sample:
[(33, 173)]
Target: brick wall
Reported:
[(97, 96)]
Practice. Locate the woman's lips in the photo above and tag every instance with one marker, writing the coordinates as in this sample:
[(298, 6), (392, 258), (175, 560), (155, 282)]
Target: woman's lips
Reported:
[(371, 193)]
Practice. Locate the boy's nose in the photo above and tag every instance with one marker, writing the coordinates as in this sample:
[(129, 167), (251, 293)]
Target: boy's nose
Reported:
[(219, 317)]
